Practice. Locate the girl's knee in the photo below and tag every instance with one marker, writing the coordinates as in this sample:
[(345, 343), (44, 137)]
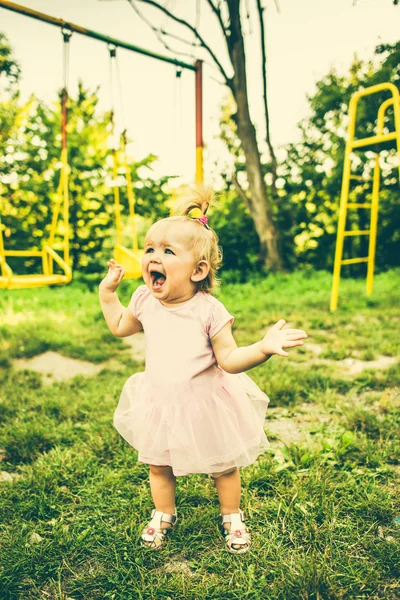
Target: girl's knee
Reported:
[(227, 472), (165, 470)]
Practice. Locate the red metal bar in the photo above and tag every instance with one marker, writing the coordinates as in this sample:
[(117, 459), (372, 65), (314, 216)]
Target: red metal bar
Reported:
[(199, 103), (199, 122)]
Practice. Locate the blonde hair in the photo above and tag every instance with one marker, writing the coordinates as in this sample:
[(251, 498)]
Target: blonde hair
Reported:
[(204, 239)]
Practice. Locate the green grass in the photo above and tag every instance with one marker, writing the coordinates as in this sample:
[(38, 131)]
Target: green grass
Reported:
[(322, 511)]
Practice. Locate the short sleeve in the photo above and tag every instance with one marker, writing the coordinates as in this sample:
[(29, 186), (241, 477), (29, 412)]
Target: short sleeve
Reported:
[(218, 317), (139, 300)]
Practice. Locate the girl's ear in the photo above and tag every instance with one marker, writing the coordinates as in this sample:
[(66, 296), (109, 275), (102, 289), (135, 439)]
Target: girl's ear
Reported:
[(201, 271)]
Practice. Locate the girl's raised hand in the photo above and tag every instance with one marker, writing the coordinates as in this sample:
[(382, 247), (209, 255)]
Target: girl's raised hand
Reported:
[(113, 278), (278, 338)]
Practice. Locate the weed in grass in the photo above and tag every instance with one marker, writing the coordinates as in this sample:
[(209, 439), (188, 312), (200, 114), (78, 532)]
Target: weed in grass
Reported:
[(368, 354), (360, 419), (338, 353)]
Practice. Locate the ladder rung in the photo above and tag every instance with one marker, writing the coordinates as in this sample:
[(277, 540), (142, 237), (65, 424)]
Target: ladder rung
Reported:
[(359, 204), (360, 178), (357, 232), (375, 139), (353, 261)]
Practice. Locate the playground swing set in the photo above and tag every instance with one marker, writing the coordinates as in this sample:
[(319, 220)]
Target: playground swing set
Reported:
[(48, 253), (130, 258)]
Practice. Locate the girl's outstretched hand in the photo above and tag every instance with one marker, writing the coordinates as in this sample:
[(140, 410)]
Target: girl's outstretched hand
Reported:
[(278, 338), (112, 280)]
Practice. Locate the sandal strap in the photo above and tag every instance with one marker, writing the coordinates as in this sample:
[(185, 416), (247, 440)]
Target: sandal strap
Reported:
[(232, 517), (153, 535), (237, 534), (238, 538), (157, 516), (154, 540)]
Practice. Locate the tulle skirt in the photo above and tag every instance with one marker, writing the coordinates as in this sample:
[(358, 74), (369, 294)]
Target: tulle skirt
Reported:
[(206, 425)]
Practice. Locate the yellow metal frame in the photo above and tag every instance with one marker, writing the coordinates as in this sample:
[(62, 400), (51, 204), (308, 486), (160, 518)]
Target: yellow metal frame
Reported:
[(352, 144), (131, 260), (199, 166), (8, 280)]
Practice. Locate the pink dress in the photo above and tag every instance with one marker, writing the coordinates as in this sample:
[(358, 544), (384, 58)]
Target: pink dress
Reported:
[(184, 410)]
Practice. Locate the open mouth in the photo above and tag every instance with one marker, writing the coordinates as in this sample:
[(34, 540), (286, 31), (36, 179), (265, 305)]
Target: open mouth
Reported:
[(157, 280)]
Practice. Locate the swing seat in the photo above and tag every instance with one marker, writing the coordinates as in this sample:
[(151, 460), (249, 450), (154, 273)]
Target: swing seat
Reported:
[(131, 261), (10, 281), (29, 281)]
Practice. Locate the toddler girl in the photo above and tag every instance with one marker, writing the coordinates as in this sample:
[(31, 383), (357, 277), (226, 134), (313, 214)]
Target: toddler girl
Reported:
[(193, 410)]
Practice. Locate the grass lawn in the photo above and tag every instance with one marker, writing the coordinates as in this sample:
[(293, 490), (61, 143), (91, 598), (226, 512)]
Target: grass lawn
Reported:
[(321, 503)]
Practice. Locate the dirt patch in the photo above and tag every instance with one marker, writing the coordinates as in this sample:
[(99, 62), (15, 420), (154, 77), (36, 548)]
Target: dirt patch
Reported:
[(295, 428), (286, 430), (347, 366), (56, 367), (9, 477), (316, 349), (354, 366), (179, 566)]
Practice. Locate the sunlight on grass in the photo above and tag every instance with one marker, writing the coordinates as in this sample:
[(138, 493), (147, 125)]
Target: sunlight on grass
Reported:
[(321, 502)]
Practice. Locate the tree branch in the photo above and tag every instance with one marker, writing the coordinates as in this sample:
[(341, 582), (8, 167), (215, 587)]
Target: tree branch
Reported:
[(179, 38), (278, 10), (159, 32), (242, 194), (184, 23), (260, 11), (217, 11)]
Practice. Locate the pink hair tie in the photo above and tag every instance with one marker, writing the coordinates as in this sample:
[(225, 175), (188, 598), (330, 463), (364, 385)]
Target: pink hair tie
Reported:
[(204, 221)]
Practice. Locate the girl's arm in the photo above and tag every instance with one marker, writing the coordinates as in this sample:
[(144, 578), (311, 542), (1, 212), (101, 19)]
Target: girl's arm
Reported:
[(236, 360), (119, 319)]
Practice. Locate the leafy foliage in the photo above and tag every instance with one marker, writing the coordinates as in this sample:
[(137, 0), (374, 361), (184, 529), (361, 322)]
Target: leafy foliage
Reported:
[(9, 69), (30, 150), (236, 234), (310, 175), (313, 169), (9, 77)]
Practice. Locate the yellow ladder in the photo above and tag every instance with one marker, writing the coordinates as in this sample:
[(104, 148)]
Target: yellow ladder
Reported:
[(351, 145)]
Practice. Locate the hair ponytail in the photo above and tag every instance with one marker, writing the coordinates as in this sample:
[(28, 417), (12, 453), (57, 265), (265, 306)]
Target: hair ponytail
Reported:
[(199, 198)]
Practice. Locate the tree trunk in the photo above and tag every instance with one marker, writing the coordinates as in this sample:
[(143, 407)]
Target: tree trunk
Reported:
[(260, 11), (259, 202)]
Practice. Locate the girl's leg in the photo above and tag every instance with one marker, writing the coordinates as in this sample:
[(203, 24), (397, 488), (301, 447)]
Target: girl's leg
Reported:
[(229, 488), (162, 485)]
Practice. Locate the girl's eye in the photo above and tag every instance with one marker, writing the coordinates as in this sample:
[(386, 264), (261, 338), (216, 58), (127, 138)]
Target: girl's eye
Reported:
[(149, 250), (168, 250)]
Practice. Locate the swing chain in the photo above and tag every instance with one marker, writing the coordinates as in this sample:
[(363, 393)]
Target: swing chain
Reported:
[(66, 33), (112, 50)]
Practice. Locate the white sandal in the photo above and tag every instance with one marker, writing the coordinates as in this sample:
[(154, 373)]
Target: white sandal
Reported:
[(237, 535), (152, 535)]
